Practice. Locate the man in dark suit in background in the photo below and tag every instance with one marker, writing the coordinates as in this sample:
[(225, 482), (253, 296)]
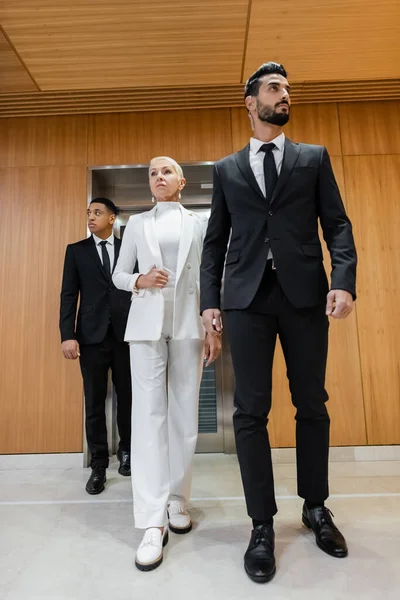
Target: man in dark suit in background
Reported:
[(269, 197), (96, 335)]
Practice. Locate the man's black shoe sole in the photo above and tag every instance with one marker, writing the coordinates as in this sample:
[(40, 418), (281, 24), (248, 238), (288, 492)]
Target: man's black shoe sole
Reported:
[(95, 492)]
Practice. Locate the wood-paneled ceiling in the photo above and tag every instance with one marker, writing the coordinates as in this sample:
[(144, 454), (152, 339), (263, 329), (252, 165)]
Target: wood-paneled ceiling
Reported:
[(80, 56)]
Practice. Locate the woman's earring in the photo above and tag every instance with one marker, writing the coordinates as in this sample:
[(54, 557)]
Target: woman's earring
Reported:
[(153, 199), (179, 196)]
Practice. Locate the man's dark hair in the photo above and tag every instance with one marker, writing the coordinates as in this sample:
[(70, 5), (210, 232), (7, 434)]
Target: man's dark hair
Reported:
[(253, 83), (109, 204)]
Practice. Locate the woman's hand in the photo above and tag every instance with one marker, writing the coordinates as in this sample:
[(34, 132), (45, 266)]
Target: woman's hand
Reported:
[(155, 278), (212, 347)]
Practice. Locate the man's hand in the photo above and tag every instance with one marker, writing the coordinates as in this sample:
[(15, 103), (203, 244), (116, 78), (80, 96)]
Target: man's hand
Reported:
[(70, 349), (212, 320), (339, 304), (155, 278), (212, 347)]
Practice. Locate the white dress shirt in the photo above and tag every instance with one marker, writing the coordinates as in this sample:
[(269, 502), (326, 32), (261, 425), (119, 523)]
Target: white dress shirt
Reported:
[(257, 161), (257, 158), (109, 246), (168, 231)]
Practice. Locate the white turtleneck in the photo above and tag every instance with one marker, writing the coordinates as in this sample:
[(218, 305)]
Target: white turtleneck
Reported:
[(168, 230)]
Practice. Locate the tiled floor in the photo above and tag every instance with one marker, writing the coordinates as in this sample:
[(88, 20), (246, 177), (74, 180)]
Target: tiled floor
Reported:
[(57, 543)]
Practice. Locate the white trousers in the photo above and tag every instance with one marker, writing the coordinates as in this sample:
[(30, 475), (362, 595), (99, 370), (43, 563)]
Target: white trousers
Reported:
[(164, 421)]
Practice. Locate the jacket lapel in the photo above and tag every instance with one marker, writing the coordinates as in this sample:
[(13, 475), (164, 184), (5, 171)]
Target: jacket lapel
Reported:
[(149, 227), (92, 251), (290, 156), (243, 162), (185, 240)]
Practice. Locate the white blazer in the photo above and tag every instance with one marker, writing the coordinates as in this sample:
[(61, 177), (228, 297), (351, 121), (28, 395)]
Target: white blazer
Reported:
[(146, 314)]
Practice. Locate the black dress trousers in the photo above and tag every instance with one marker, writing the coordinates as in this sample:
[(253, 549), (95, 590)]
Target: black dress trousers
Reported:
[(252, 335), (95, 362)]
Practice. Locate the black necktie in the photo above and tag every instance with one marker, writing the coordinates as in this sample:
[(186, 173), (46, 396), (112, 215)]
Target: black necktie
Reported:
[(270, 174), (106, 258)]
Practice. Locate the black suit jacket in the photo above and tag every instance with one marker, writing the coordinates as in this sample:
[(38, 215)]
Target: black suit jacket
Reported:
[(305, 192), (100, 301)]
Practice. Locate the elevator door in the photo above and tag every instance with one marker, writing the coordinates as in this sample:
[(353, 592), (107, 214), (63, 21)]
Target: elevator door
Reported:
[(128, 187)]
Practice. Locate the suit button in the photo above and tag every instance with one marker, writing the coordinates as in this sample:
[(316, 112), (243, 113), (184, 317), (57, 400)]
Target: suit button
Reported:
[(267, 240), (191, 291), (270, 213), (189, 266)]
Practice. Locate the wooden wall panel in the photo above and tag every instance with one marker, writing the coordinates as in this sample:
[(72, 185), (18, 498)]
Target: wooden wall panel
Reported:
[(309, 123), (40, 392), (316, 124), (370, 127), (343, 374), (39, 141), (43, 209), (372, 184), (344, 386), (197, 135)]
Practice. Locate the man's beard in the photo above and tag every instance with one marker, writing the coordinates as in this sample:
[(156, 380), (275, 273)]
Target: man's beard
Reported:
[(268, 114)]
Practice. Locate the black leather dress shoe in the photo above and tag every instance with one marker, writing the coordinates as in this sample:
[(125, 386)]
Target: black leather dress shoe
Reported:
[(125, 463), (327, 535), (96, 482), (259, 560)]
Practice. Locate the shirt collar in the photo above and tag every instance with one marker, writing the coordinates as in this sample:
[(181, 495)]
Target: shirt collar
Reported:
[(109, 240), (256, 144)]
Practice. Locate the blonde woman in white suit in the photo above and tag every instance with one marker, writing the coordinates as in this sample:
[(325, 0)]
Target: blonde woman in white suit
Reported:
[(165, 333)]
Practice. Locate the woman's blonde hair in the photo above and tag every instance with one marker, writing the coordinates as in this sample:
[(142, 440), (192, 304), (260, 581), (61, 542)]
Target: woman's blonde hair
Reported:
[(173, 163)]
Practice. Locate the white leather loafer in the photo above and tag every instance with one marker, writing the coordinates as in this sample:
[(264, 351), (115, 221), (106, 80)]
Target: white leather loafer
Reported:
[(149, 555), (179, 518)]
